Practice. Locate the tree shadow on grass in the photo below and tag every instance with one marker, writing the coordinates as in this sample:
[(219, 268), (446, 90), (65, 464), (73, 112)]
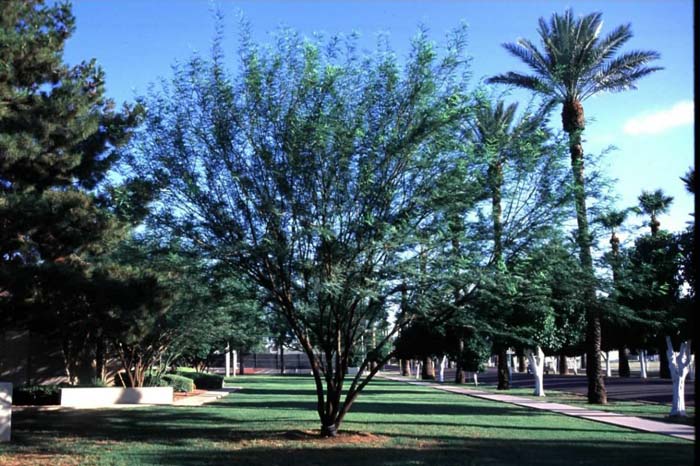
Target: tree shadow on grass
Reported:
[(470, 452), (417, 408), (312, 392)]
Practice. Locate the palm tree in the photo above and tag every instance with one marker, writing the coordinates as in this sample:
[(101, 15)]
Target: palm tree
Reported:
[(576, 63), (654, 204), (612, 220), (495, 135), (689, 180)]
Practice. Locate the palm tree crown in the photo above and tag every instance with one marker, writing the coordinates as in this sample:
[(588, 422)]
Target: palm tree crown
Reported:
[(576, 63), (654, 204)]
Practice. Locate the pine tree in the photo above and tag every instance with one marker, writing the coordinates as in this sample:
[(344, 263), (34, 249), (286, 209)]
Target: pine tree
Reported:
[(58, 139)]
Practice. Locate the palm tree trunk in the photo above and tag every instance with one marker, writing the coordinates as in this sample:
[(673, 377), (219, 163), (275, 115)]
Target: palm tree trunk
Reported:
[(496, 181), (572, 116)]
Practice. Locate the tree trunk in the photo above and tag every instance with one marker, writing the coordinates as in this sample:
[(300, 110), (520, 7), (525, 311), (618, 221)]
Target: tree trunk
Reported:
[(459, 371), (428, 372), (608, 365), (574, 123), (563, 364), (100, 351), (624, 363), (664, 370), (679, 367), (459, 374), (503, 379), (521, 361), (583, 361), (643, 364), (495, 173), (242, 363), (282, 359), (443, 361), (405, 367), (537, 365)]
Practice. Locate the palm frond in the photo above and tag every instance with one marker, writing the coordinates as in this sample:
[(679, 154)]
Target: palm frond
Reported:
[(532, 83), (528, 52), (608, 46)]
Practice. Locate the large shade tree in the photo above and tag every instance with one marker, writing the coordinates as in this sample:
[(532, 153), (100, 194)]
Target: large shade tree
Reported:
[(575, 63), (308, 172), (58, 135)]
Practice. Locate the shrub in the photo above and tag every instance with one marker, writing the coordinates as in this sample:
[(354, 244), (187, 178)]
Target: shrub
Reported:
[(203, 380), (37, 394), (178, 382)]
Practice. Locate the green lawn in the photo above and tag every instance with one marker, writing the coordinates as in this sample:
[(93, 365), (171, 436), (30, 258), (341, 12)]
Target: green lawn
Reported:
[(271, 420)]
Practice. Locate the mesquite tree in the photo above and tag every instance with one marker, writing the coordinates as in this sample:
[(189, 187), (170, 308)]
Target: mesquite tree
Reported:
[(308, 172)]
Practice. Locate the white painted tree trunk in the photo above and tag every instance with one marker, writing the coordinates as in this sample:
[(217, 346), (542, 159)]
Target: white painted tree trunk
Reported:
[(235, 362), (443, 363), (5, 411), (419, 368), (608, 367), (537, 366), (227, 361), (574, 364), (475, 375), (679, 365), (643, 363), (691, 374)]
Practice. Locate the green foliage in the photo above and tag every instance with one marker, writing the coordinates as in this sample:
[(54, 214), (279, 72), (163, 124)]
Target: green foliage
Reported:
[(308, 173), (475, 353), (575, 62), (650, 285), (179, 383), (203, 380), (59, 136), (49, 394)]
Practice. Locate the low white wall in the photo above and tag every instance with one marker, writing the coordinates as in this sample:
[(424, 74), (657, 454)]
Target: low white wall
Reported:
[(5, 411), (106, 396)]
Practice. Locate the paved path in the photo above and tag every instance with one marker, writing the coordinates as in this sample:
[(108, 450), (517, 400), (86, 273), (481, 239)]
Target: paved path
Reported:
[(631, 422), (206, 397), (653, 389)]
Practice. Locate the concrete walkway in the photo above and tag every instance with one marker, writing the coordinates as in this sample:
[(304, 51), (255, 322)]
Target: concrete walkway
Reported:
[(206, 397), (630, 422)]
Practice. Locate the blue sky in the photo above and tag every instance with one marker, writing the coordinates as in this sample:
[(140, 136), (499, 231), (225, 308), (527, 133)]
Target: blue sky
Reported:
[(137, 41)]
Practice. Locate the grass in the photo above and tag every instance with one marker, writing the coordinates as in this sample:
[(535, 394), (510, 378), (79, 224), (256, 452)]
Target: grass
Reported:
[(272, 420), (648, 410)]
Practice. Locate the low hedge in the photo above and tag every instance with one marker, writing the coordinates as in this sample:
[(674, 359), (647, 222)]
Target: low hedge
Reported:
[(203, 380), (178, 382), (23, 395)]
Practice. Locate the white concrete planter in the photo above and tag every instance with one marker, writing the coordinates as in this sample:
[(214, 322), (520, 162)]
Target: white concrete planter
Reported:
[(89, 397), (5, 411)]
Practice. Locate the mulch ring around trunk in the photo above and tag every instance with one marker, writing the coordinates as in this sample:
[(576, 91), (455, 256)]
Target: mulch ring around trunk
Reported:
[(343, 437)]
